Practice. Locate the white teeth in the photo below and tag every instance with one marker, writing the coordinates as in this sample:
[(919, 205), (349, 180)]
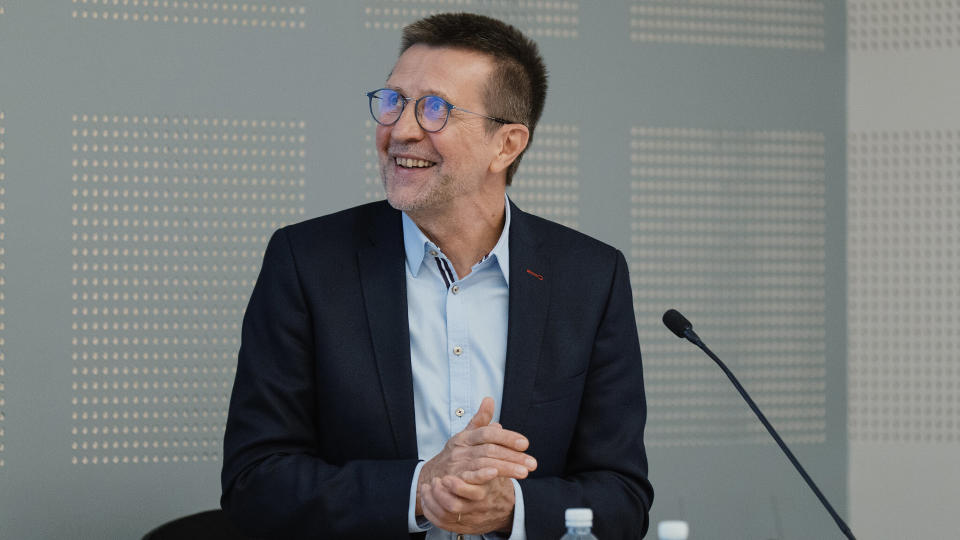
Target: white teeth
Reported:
[(407, 162)]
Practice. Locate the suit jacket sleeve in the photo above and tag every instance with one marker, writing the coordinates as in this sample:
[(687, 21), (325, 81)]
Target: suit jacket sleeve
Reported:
[(606, 466), (275, 482)]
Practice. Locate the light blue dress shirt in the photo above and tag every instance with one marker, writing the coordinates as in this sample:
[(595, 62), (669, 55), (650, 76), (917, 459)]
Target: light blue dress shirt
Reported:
[(458, 349)]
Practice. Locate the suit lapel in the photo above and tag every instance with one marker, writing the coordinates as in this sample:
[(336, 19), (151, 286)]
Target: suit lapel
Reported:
[(529, 300), (382, 278)]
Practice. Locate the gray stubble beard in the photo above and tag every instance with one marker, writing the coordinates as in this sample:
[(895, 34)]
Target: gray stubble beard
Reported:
[(436, 195)]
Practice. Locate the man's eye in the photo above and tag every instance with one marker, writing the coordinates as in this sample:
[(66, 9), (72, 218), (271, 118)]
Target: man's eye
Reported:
[(435, 106)]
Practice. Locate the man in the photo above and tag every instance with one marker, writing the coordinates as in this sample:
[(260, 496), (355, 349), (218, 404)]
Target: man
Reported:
[(444, 362)]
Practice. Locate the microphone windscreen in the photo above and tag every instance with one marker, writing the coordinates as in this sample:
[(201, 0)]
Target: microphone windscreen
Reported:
[(676, 322)]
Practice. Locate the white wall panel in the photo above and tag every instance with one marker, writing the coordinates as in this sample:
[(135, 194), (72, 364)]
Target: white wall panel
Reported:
[(904, 188)]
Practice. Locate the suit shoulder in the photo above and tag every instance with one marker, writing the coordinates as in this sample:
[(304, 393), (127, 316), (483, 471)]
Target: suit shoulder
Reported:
[(564, 239), (337, 228)]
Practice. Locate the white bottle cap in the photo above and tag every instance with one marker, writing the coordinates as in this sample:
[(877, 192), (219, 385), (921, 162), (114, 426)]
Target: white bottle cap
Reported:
[(673, 530), (579, 517)]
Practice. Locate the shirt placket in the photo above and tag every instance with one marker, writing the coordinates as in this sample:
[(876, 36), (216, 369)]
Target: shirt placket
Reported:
[(458, 355)]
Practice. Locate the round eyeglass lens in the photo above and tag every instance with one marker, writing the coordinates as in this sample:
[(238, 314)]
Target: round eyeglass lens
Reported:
[(432, 111), (386, 106)]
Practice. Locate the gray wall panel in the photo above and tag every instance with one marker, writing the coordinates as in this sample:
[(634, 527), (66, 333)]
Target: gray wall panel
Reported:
[(148, 148)]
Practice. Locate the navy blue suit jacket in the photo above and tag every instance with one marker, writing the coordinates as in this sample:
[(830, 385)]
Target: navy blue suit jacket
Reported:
[(321, 439)]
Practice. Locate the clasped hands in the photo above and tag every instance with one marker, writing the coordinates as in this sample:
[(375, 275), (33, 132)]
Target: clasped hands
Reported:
[(466, 488)]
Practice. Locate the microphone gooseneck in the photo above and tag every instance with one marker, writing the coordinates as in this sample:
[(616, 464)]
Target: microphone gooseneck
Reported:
[(679, 325)]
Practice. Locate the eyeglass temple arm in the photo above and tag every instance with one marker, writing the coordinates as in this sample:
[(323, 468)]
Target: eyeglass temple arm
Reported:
[(494, 118)]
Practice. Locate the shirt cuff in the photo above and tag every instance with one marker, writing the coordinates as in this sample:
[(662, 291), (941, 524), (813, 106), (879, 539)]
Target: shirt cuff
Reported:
[(519, 531), (415, 525)]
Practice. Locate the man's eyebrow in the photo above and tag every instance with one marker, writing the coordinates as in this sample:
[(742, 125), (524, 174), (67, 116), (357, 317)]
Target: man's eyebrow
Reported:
[(427, 92), (437, 93)]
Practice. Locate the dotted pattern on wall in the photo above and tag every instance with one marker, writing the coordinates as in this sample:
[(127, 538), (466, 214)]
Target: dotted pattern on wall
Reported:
[(777, 24), (170, 219), (242, 14), (729, 228), (535, 18), (891, 26), (3, 281), (372, 184), (547, 182), (903, 286)]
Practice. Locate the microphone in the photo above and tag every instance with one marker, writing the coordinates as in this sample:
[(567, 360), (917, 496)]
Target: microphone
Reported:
[(679, 325)]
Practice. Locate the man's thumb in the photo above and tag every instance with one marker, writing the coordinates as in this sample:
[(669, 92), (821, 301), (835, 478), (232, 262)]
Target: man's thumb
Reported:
[(484, 414)]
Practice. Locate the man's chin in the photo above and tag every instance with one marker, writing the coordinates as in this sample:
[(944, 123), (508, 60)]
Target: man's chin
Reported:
[(397, 205), (403, 203), (415, 197), (405, 198)]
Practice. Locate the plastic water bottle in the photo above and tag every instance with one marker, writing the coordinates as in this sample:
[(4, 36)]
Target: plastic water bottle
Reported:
[(673, 530), (579, 522)]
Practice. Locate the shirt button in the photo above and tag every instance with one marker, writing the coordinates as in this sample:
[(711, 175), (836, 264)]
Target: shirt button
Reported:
[(433, 252), (459, 412), (455, 289), (458, 351)]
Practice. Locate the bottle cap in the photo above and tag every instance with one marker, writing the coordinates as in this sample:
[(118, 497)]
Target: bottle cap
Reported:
[(579, 517), (673, 530)]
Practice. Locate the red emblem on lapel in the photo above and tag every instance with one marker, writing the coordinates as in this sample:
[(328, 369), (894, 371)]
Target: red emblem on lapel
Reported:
[(534, 274)]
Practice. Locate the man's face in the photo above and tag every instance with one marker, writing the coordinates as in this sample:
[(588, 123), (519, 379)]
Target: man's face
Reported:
[(429, 171)]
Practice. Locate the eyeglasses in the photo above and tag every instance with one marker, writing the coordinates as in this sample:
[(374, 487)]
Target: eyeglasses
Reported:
[(431, 112)]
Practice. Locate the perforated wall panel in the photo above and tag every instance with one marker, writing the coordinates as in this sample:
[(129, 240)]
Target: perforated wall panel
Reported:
[(242, 14), (547, 182), (901, 26), (3, 281), (732, 225), (170, 218), (536, 18), (778, 24), (903, 169), (904, 288), (148, 148), (372, 185)]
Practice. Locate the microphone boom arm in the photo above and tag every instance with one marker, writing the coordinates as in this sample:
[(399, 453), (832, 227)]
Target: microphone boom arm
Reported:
[(678, 324)]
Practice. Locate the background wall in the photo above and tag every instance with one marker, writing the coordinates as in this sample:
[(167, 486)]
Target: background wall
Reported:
[(149, 147), (904, 168)]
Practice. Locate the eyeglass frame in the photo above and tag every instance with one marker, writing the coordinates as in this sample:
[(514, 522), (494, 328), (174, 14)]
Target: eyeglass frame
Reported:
[(416, 110)]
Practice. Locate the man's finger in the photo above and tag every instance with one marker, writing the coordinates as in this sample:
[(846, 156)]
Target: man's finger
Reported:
[(484, 414), (428, 505), (479, 477), (451, 504), (505, 469), (495, 435), (465, 490), (508, 462), (497, 452)]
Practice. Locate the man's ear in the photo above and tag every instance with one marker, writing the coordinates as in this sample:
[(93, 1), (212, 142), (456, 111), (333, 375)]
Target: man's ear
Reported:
[(513, 139)]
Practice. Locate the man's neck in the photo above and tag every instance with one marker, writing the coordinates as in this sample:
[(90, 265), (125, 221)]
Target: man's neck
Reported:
[(465, 232)]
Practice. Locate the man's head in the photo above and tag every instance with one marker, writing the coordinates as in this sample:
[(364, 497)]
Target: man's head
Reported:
[(516, 88)]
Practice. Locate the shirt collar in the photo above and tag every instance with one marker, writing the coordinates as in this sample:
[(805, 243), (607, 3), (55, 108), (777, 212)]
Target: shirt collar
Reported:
[(417, 245)]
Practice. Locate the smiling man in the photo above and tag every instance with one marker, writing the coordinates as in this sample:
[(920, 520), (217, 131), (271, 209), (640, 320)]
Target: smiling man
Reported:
[(441, 363)]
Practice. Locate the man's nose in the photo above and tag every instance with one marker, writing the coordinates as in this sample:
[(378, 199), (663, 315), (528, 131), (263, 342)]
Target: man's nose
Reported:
[(407, 128)]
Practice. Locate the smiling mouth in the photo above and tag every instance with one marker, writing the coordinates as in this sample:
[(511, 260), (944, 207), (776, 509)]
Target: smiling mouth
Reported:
[(408, 163)]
